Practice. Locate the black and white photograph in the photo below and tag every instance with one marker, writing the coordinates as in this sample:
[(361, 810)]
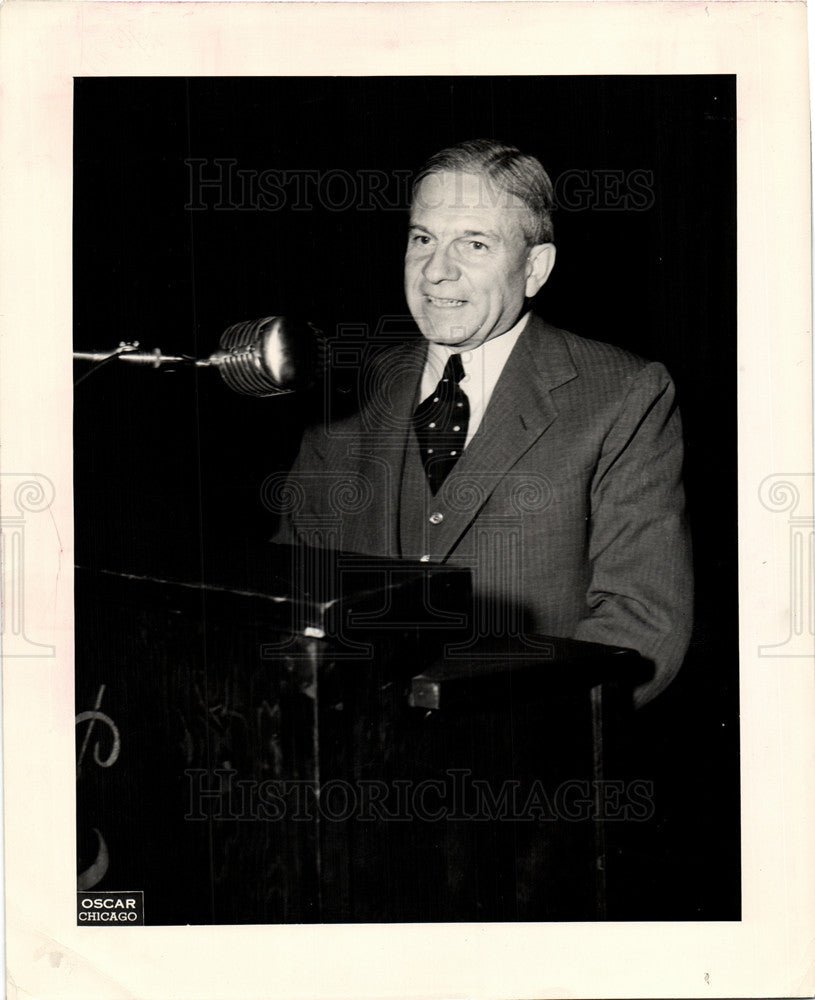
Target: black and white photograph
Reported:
[(406, 500), (405, 482)]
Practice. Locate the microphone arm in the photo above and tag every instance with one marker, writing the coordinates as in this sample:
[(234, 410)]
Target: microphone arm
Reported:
[(127, 351), (263, 357)]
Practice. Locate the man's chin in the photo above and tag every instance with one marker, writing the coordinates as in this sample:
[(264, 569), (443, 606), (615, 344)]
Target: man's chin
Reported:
[(449, 336)]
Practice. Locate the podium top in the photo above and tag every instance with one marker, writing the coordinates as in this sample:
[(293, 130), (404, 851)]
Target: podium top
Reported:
[(300, 588), (324, 594)]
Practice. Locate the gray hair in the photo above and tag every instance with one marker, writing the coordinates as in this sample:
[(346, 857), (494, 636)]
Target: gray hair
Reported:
[(512, 171)]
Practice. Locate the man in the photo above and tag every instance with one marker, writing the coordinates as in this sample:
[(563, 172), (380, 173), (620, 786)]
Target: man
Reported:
[(548, 464)]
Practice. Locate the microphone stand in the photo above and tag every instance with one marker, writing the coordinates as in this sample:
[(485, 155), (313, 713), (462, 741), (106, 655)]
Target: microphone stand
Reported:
[(128, 351)]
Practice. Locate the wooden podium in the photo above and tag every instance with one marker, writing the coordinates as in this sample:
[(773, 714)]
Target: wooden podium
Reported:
[(319, 737)]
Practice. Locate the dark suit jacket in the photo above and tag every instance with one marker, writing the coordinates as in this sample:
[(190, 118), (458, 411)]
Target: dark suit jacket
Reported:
[(567, 504)]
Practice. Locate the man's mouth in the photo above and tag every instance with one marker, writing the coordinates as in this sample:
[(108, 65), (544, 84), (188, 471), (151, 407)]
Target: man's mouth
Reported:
[(444, 303)]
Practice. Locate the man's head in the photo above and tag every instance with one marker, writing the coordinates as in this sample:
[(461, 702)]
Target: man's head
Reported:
[(480, 241)]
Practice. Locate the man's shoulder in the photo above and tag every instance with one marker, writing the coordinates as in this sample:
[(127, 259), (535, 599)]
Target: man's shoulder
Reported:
[(362, 401), (588, 353), (597, 362)]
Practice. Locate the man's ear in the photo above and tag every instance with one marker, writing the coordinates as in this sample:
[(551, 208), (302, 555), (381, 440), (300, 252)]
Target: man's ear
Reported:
[(539, 266)]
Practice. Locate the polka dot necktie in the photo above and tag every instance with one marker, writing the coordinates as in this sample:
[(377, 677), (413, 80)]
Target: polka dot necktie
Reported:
[(441, 424)]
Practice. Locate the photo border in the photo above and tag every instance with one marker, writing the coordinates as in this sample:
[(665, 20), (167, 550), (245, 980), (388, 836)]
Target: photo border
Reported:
[(43, 45)]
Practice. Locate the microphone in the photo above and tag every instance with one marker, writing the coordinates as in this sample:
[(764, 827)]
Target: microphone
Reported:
[(265, 357), (262, 357)]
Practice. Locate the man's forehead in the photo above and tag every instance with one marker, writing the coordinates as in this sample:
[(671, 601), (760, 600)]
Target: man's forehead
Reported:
[(464, 193)]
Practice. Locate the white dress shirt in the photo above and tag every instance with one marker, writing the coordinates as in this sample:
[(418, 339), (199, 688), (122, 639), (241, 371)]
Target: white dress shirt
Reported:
[(482, 369)]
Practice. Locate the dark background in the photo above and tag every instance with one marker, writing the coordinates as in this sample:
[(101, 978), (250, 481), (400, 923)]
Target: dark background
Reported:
[(169, 464)]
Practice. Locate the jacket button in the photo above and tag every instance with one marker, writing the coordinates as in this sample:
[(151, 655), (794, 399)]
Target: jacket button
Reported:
[(436, 517)]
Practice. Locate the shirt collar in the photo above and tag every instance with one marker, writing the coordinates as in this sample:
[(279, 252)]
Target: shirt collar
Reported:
[(492, 354)]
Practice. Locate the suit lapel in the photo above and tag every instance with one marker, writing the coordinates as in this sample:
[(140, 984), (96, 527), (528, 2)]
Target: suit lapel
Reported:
[(520, 410)]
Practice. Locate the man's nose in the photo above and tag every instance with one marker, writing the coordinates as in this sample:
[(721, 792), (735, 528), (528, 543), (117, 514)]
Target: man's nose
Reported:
[(440, 266)]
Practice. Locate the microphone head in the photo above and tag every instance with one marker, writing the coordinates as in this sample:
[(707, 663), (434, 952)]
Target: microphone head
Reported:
[(265, 357)]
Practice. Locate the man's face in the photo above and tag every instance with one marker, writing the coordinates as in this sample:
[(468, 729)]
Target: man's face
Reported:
[(468, 267)]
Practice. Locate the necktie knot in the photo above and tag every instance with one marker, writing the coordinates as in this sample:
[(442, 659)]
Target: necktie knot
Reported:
[(454, 369)]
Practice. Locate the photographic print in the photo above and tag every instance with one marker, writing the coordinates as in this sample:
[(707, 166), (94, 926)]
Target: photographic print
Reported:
[(241, 789), (406, 490)]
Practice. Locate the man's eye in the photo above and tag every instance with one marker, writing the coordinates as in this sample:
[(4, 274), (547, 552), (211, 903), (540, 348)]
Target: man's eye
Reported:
[(476, 246), (420, 239)]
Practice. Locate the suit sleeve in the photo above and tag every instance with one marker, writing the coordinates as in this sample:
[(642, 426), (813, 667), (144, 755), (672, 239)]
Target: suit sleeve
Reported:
[(292, 492), (640, 592)]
